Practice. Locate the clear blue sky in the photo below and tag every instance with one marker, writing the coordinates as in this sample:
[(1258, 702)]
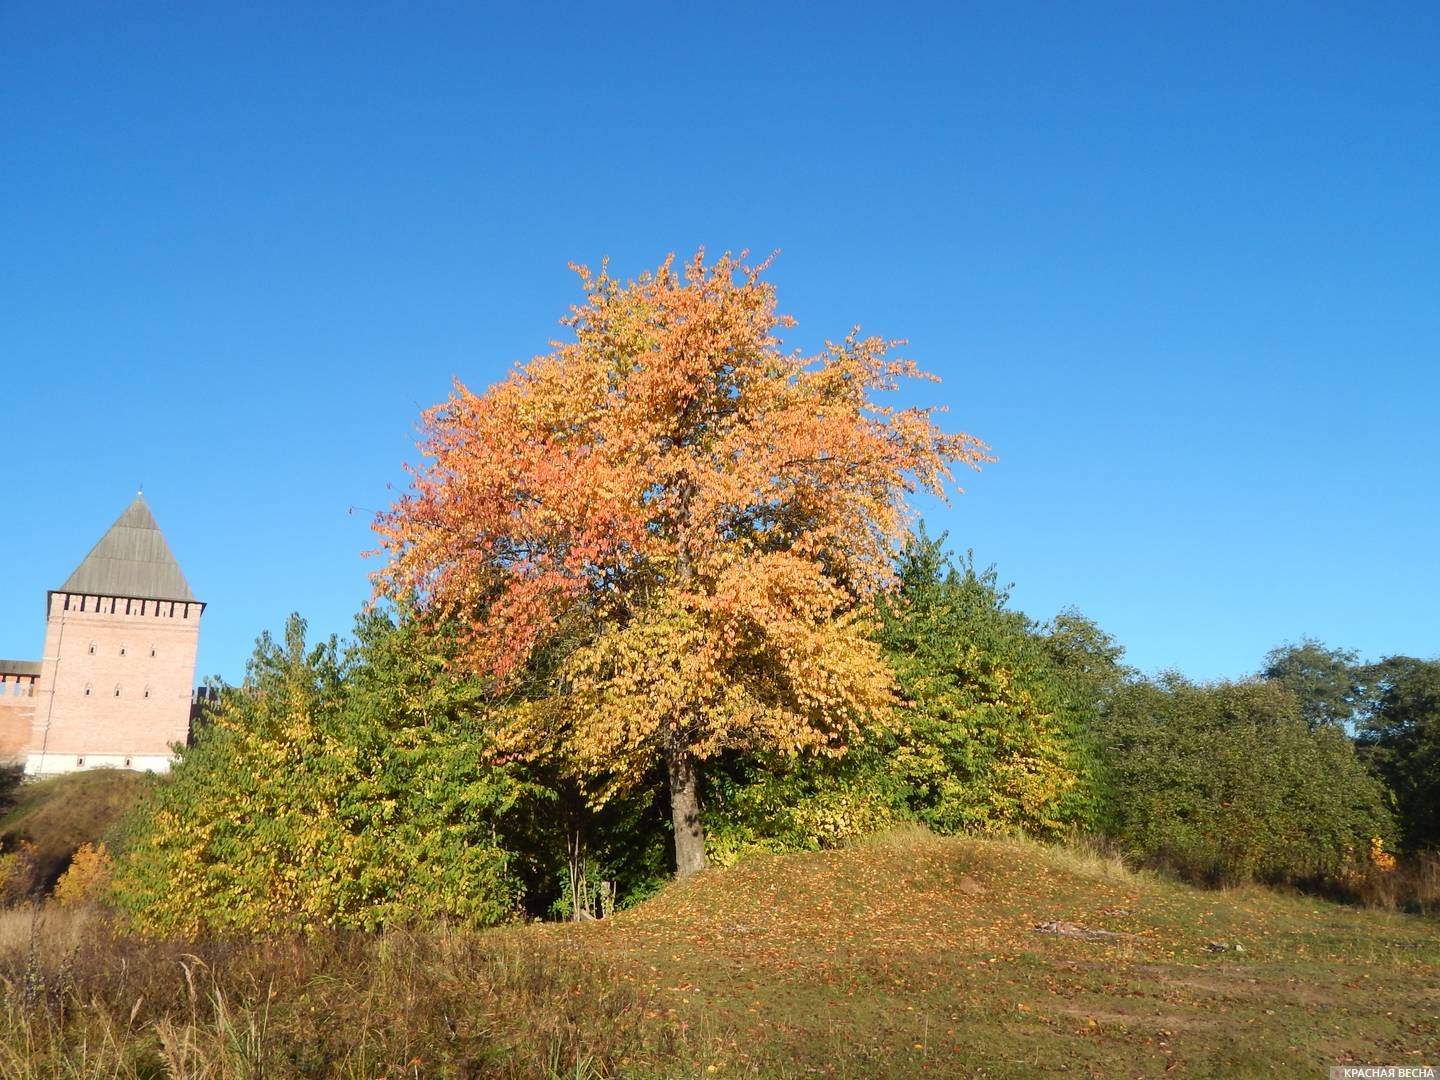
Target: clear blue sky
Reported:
[(1177, 263)]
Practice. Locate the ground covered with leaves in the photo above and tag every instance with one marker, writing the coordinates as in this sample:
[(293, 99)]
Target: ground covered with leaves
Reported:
[(915, 955), (906, 956)]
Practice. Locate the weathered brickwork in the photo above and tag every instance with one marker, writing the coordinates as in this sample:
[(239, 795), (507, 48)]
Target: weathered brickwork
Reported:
[(113, 688), (17, 709)]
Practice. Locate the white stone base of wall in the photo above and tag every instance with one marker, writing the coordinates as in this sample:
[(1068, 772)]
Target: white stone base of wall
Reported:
[(53, 764)]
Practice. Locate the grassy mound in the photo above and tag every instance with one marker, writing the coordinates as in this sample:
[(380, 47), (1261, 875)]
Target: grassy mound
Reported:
[(908, 956), (58, 814), (918, 955)]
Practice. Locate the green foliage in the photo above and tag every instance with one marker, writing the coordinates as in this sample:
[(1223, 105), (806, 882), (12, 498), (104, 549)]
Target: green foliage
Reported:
[(1400, 737), (1228, 782), (625, 841), (1326, 682), (991, 735), (1394, 707), (778, 803), (349, 789)]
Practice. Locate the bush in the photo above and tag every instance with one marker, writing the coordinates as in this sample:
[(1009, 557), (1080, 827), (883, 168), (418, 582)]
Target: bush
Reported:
[(355, 790), (990, 731), (1227, 782), (777, 804), (87, 878)]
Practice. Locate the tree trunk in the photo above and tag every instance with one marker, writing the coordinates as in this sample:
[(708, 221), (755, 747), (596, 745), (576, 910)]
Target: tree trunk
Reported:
[(685, 811)]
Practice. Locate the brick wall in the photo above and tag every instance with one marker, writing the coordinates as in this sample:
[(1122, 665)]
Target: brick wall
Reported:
[(17, 711)]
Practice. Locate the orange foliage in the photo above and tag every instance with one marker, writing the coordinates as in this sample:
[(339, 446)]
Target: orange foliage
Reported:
[(713, 506)]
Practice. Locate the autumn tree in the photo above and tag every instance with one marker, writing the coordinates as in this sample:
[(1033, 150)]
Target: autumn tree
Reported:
[(710, 509), (336, 787)]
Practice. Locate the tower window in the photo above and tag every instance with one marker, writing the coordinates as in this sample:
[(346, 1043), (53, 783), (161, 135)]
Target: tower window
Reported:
[(79, 761), (147, 691), (92, 648), (152, 650), (122, 650), (87, 689), (117, 691)]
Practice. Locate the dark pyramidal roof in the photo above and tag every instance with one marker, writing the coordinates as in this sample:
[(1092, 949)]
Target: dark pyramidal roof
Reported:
[(131, 560)]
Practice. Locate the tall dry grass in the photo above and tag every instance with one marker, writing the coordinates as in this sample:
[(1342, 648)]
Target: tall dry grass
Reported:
[(1411, 885), (80, 1000)]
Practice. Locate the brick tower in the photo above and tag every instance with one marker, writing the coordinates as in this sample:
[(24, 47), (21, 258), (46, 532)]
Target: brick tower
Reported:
[(120, 640)]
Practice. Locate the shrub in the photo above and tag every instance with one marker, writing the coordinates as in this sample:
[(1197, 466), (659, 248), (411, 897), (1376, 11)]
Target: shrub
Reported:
[(87, 878), (1228, 782), (352, 790)]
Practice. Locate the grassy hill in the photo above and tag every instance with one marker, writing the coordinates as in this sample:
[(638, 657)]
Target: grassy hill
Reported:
[(908, 956), (58, 814), (916, 955)]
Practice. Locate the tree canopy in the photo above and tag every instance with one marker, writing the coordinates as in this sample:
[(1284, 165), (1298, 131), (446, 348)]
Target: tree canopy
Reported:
[(1400, 735), (992, 724), (1228, 781), (1327, 682), (711, 510)]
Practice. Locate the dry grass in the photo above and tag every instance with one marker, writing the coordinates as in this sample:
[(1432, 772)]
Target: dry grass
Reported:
[(1412, 885), (433, 1003), (61, 930), (906, 956)]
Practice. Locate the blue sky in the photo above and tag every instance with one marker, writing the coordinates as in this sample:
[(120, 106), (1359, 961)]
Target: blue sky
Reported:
[(1177, 263)]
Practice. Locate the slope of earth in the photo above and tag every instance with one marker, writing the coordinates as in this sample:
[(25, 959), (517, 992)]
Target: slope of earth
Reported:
[(920, 956), (54, 816)]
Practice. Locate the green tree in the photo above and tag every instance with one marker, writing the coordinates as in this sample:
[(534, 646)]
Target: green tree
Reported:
[(1400, 737), (1229, 782), (991, 728), (352, 788), (1325, 681), (1088, 661)]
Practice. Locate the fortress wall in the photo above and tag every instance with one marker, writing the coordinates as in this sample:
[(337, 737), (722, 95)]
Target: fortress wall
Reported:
[(17, 712)]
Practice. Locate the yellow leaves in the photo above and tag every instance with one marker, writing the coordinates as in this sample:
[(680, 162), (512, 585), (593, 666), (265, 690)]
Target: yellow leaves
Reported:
[(1379, 857), (714, 506)]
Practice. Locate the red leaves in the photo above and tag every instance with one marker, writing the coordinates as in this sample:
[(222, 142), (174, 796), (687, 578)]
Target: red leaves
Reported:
[(696, 492)]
